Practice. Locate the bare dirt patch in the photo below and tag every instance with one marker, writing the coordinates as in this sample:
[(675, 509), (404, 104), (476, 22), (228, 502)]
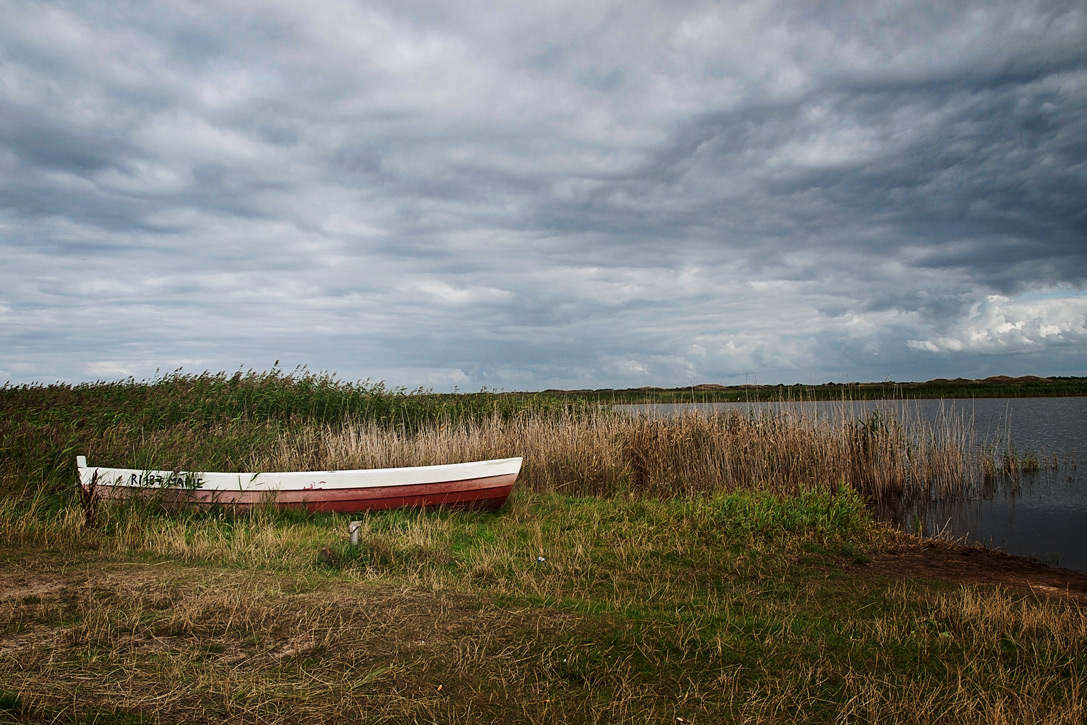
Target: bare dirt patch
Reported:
[(904, 556), (47, 577)]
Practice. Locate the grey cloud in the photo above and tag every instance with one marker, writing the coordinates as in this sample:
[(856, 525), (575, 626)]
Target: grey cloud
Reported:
[(582, 196)]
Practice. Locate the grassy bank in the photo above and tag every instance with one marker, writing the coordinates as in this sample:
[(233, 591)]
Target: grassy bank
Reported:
[(705, 568), (731, 607)]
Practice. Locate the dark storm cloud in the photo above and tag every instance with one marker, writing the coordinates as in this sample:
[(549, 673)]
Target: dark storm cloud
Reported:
[(579, 196)]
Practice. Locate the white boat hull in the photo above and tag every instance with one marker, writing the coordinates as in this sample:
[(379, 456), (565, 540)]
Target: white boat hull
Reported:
[(479, 484)]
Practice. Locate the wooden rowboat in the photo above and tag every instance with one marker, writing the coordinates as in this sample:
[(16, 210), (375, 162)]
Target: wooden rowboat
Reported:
[(477, 485)]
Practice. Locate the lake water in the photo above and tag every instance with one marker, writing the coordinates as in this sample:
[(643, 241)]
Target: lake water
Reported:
[(1043, 514)]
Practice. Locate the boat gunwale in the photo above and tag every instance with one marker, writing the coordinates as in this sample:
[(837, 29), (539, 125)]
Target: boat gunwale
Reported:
[(135, 478)]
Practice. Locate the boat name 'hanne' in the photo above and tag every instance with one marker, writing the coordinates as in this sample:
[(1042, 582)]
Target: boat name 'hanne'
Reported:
[(170, 480)]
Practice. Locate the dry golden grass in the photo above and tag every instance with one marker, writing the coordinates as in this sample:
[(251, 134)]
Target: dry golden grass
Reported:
[(694, 452), (601, 633)]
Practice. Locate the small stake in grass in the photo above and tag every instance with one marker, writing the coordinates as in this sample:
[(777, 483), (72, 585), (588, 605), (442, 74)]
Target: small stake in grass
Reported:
[(353, 532)]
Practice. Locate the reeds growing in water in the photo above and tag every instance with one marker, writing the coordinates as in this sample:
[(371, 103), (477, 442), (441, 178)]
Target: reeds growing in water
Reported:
[(695, 452)]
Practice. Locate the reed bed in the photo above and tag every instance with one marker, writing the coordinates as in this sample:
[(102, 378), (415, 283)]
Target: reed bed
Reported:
[(693, 453), (210, 422), (272, 421)]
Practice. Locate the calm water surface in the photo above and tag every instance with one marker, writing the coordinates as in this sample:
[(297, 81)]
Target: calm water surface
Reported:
[(1043, 515)]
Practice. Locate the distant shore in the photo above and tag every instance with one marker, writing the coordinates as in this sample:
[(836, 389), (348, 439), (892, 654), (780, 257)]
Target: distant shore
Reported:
[(1000, 386)]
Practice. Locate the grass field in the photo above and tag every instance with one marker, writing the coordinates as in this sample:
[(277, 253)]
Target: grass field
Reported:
[(698, 570)]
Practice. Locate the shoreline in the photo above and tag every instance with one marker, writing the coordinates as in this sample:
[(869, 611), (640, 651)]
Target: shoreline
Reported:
[(956, 562)]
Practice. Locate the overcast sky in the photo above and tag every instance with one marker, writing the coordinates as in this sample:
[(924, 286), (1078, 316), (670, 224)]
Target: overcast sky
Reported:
[(544, 195)]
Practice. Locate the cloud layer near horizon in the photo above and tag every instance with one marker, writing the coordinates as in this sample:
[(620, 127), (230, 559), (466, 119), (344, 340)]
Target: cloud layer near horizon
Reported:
[(572, 195)]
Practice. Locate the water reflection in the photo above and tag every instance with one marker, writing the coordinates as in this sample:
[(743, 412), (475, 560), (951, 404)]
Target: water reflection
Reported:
[(1042, 516)]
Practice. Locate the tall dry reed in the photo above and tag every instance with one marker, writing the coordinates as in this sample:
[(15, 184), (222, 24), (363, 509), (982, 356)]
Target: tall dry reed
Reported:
[(694, 452)]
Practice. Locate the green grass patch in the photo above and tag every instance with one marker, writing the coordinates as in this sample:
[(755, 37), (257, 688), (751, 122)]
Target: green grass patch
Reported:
[(717, 608)]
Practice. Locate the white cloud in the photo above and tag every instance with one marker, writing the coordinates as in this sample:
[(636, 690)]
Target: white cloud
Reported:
[(1004, 325), (438, 291)]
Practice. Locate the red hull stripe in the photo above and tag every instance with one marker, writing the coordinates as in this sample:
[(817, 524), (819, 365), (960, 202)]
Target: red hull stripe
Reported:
[(486, 493)]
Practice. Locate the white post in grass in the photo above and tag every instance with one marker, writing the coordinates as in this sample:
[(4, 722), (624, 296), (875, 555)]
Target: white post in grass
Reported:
[(353, 530)]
